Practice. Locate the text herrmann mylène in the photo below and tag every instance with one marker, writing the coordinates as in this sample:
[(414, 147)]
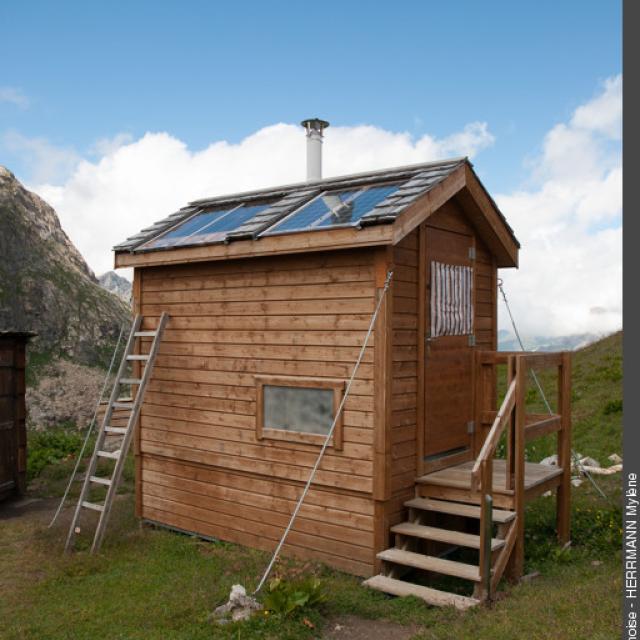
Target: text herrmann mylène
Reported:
[(631, 551)]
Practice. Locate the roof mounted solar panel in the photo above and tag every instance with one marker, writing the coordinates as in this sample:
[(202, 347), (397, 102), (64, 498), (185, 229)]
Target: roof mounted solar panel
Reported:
[(325, 210), (206, 227), (362, 204)]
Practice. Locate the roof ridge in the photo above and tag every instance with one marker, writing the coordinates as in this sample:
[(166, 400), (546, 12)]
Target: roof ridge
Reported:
[(315, 184)]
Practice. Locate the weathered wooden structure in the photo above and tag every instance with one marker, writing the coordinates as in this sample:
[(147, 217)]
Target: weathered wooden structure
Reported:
[(13, 433), (270, 294)]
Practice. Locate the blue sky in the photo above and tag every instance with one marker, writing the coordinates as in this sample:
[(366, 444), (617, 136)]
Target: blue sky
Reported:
[(205, 71), (118, 113)]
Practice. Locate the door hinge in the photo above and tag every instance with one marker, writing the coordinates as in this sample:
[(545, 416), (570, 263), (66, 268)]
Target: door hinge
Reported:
[(472, 253), (471, 427), (472, 340)]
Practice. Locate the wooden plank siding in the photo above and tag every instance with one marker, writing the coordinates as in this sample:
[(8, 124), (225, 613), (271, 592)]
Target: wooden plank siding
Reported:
[(202, 469)]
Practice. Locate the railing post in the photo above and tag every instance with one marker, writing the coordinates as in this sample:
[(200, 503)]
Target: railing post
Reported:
[(510, 452), (486, 526), (563, 501), (516, 564), (485, 549)]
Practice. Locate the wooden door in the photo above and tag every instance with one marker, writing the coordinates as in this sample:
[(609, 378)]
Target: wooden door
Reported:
[(8, 441), (448, 407)]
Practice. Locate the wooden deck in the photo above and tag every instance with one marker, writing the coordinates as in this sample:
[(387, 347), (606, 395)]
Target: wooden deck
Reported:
[(538, 478)]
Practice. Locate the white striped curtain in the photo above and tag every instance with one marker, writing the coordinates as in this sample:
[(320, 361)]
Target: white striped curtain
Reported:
[(451, 300)]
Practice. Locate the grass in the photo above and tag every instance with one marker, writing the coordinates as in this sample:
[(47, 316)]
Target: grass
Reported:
[(151, 583)]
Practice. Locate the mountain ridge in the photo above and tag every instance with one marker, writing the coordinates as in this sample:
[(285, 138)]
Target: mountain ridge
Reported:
[(47, 287)]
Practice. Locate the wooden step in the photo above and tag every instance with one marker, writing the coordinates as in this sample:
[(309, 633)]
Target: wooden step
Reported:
[(98, 480), (431, 563), (457, 538), (500, 516), (431, 596), (130, 380), (108, 454), (143, 357), (122, 405), (116, 430), (146, 334), (92, 505)]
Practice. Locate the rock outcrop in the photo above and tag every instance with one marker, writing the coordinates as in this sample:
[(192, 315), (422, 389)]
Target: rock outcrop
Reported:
[(47, 287)]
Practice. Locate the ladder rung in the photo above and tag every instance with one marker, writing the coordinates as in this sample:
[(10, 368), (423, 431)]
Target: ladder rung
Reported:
[(146, 334), (144, 357), (105, 481), (117, 430), (92, 505), (130, 380), (108, 454), (122, 405)]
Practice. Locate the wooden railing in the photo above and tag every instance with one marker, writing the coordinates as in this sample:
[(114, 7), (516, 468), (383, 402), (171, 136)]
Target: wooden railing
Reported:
[(521, 429)]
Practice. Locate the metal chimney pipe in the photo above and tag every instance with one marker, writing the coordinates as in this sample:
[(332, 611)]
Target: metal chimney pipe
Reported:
[(314, 128)]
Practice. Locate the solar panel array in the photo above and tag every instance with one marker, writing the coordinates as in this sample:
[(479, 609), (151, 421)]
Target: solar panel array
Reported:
[(340, 208)]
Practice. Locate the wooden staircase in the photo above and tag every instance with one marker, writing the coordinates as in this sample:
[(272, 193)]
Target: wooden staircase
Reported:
[(410, 536), (454, 506)]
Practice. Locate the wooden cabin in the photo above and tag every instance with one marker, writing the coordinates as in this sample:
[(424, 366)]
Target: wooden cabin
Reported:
[(13, 432), (270, 294)]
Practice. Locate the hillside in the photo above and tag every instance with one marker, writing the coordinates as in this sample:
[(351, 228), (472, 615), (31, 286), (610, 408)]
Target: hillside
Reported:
[(47, 287)]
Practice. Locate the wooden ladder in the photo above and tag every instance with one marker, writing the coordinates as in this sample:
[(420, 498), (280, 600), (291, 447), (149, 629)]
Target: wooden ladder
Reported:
[(405, 556), (112, 479)]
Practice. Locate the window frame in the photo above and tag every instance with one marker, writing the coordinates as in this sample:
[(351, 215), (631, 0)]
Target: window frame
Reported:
[(269, 433)]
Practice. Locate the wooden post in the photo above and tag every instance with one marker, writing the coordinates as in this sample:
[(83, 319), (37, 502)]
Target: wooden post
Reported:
[(486, 526), (516, 563), (422, 328), (563, 501), (382, 380), (136, 304), (510, 469)]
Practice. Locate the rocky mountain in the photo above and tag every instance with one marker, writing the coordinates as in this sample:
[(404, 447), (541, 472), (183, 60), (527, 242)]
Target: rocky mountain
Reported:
[(116, 284), (47, 287)]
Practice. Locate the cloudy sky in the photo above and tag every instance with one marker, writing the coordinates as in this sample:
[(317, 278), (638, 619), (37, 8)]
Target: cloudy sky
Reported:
[(118, 118)]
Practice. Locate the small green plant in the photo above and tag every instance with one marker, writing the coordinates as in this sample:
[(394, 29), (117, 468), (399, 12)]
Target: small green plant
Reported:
[(613, 406), (51, 447), (285, 597)]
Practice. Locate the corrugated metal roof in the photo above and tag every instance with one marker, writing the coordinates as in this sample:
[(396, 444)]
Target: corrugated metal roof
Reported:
[(414, 181)]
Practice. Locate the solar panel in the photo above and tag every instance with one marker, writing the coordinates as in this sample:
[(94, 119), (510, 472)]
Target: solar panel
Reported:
[(310, 214), (210, 226), (319, 215), (361, 205)]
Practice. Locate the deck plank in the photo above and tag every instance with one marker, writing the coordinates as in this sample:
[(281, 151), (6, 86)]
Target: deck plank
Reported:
[(459, 476)]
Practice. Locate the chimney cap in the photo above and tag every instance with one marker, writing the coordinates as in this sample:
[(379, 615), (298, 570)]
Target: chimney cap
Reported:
[(314, 124)]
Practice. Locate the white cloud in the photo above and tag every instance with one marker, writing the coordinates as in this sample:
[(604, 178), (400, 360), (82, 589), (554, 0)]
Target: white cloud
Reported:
[(134, 183), (603, 114), (14, 96), (570, 225), (48, 163)]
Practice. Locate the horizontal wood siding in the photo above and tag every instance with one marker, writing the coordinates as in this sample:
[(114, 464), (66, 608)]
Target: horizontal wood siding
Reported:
[(202, 467)]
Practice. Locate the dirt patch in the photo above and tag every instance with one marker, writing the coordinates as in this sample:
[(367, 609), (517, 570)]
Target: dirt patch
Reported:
[(20, 507), (354, 628)]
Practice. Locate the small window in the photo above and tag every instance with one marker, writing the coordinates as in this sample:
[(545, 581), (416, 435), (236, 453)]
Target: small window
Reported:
[(298, 409)]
